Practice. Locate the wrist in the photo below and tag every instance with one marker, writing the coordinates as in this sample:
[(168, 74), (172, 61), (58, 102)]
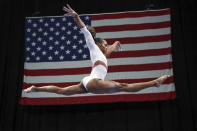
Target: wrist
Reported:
[(76, 15)]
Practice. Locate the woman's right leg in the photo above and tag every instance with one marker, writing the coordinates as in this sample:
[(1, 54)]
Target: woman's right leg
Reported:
[(70, 90)]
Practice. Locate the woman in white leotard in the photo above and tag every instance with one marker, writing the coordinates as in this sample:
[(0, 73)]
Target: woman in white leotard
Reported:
[(95, 83)]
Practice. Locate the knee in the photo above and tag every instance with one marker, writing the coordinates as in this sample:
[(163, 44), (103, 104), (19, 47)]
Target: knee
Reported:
[(121, 86), (60, 91), (115, 87)]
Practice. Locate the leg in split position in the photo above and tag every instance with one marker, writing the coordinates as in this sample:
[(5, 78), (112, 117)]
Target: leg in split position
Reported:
[(97, 86), (70, 90)]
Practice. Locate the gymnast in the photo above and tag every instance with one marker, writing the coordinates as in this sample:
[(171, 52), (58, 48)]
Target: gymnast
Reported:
[(95, 83)]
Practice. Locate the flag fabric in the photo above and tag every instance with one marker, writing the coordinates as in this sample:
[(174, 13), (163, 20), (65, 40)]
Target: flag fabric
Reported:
[(56, 54)]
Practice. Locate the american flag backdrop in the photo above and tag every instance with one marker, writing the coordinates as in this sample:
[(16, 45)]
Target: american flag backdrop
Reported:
[(56, 54)]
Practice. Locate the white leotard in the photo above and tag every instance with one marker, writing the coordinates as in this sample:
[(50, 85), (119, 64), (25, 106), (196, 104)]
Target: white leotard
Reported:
[(98, 71)]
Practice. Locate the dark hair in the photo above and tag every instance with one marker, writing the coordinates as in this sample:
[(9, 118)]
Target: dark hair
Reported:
[(98, 40), (92, 31)]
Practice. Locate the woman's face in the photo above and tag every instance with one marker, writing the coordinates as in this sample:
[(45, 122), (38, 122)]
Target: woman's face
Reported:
[(103, 46)]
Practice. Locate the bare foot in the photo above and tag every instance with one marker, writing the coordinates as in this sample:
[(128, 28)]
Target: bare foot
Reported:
[(160, 80), (30, 89)]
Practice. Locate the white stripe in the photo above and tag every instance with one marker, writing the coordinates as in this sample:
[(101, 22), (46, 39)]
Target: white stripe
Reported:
[(146, 46), (101, 13), (127, 12), (136, 33), (140, 60), (87, 63), (110, 76), (163, 88), (123, 21)]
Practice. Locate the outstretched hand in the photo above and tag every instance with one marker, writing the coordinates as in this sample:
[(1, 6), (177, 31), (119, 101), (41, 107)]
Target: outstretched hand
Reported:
[(118, 47), (69, 10)]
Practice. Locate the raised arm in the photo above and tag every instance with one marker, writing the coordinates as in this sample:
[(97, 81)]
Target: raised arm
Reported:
[(114, 47), (71, 12)]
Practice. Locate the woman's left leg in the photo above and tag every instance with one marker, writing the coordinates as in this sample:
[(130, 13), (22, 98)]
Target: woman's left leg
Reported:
[(100, 86)]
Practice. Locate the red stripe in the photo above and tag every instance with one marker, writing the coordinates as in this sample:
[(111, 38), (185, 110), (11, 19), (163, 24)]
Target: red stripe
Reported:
[(26, 85), (141, 53), (141, 67), (132, 27), (116, 68), (144, 39), (52, 72), (130, 14), (99, 99)]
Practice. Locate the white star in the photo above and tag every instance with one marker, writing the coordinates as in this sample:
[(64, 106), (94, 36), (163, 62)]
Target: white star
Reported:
[(56, 43), (41, 20), (80, 32), (87, 18), (67, 51), (57, 24), (29, 21), (68, 32), (63, 28), (38, 48), (57, 33), (34, 34), (69, 23), (44, 43), (61, 57), (56, 52), (28, 30), (50, 57), (74, 46), (27, 49), (75, 27), (40, 29), (33, 53), (80, 51), (74, 37), (74, 57), (85, 46), (45, 33), (37, 58), (44, 53), (34, 25), (84, 56), (51, 38), (33, 43), (27, 39), (46, 24), (51, 29), (80, 41), (63, 38), (50, 47), (62, 47), (63, 19), (39, 39), (68, 42), (52, 20), (27, 58)]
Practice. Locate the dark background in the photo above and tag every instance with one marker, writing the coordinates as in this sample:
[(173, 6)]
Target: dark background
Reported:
[(174, 115)]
